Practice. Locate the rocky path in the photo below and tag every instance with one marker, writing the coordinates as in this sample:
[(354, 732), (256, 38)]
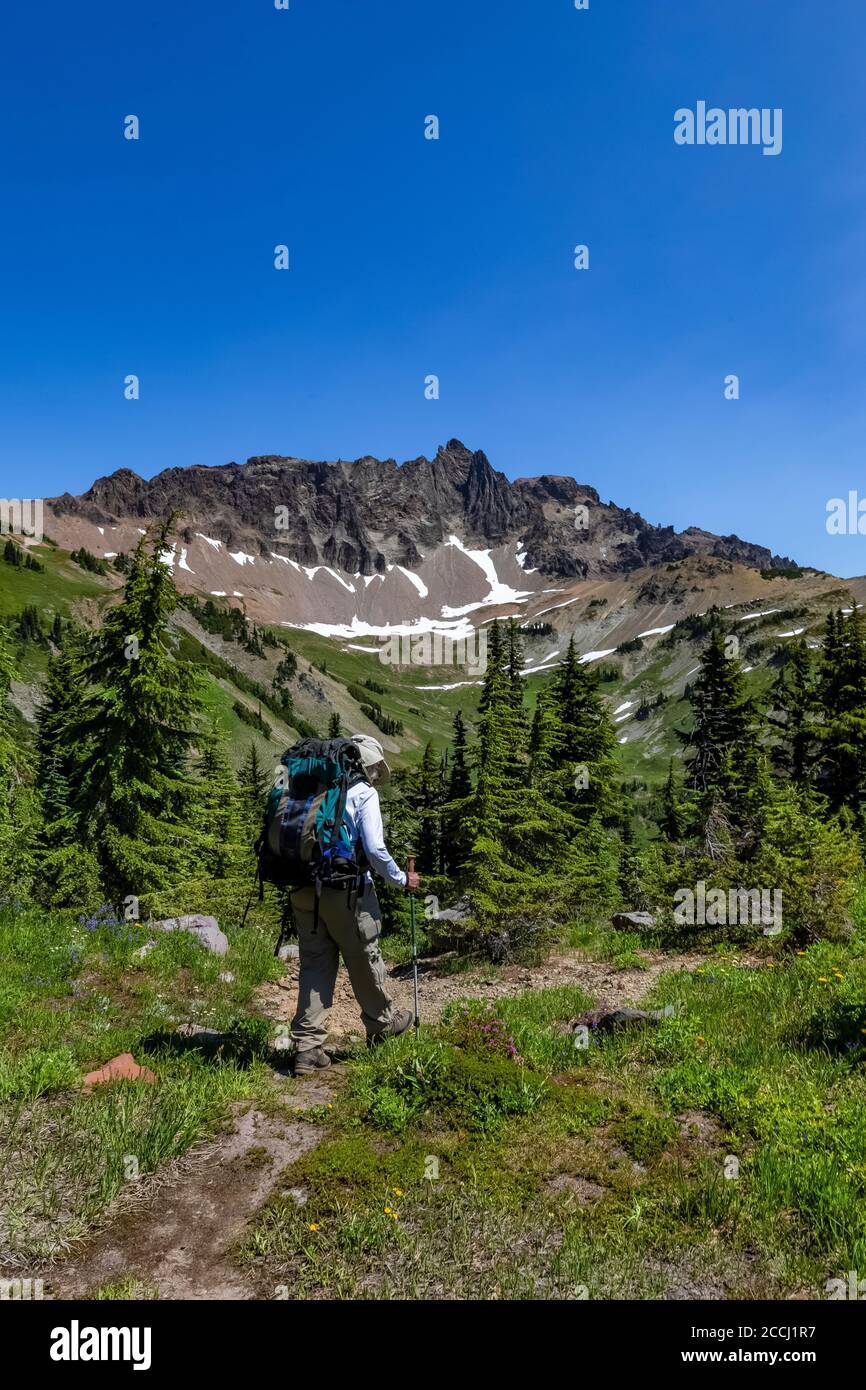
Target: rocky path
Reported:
[(177, 1231), (177, 1235), (609, 987)]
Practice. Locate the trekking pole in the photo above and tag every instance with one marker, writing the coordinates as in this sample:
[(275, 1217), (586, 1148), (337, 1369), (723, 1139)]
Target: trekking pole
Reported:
[(410, 868)]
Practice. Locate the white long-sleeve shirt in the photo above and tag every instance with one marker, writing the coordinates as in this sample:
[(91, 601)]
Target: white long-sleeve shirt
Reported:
[(363, 820)]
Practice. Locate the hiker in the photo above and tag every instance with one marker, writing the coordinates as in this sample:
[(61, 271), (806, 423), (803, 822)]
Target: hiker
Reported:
[(349, 924)]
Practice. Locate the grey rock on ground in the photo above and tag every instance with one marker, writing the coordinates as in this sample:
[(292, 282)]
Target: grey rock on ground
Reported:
[(633, 921), (608, 1020), (207, 929), (458, 913)]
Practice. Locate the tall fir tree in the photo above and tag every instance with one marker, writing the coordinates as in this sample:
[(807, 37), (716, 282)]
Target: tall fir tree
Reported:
[(460, 781), (793, 712), (67, 872), (495, 655), (841, 761), (224, 844), (725, 721), (547, 745), (588, 739), (253, 782), (517, 683), (141, 720), (726, 767), (425, 793), (518, 836), (672, 821), (455, 845), (15, 799)]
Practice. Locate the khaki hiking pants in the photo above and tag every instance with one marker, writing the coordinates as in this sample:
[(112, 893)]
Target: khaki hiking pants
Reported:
[(352, 932)]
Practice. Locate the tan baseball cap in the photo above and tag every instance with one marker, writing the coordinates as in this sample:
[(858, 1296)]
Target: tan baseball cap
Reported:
[(372, 755)]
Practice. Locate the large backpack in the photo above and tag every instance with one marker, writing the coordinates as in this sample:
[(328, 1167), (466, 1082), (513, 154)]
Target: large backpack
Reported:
[(304, 840)]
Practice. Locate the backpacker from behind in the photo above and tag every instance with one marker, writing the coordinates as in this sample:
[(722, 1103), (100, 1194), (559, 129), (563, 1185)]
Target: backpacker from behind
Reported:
[(304, 841)]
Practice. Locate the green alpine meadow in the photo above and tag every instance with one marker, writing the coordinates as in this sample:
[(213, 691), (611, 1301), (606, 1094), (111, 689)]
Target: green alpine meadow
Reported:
[(629, 1079)]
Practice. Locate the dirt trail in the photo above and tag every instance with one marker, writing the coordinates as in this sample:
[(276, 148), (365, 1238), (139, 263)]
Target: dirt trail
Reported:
[(178, 1240), (609, 987), (177, 1232)]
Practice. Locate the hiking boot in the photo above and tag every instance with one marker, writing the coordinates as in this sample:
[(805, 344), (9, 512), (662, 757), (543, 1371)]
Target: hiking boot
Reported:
[(400, 1023), (310, 1060)]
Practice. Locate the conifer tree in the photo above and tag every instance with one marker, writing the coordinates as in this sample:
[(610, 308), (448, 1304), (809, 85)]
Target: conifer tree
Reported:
[(67, 872), (672, 811), (588, 739), (841, 772), (424, 792), (140, 723), (725, 722), (13, 797), (459, 789), (547, 743), (630, 876), (460, 782), (516, 681), (334, 730), (253, 784), (495, 648), (726, 768), (794, 713), (518, 837), (225, 845)]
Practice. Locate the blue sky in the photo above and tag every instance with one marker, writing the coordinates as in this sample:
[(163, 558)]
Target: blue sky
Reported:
[(454, 257)]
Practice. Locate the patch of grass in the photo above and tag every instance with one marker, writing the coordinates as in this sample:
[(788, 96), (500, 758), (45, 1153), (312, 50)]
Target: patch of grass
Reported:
[(595, 1189), (127, 1289), (71, 998), (395, 1085)]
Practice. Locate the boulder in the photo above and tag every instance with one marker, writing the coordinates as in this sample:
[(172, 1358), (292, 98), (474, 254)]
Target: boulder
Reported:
[(633, 921), (192, 1030), (609, 1020), (207, 929), (458, 913)]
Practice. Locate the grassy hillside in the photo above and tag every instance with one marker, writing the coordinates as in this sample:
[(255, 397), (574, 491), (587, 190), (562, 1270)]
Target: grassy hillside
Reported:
[(333, 673)]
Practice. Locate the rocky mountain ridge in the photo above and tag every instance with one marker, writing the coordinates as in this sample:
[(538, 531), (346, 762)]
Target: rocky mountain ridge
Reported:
[(362, 517)]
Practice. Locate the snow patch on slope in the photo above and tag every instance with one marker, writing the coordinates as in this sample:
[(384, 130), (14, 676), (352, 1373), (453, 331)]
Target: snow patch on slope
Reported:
[(499, 592), (314, 570), (416, 580), (595, 656), (358, 628)]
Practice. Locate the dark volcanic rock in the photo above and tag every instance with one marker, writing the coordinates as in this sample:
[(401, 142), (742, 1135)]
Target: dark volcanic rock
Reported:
[(610, 1020), (361, 517)]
